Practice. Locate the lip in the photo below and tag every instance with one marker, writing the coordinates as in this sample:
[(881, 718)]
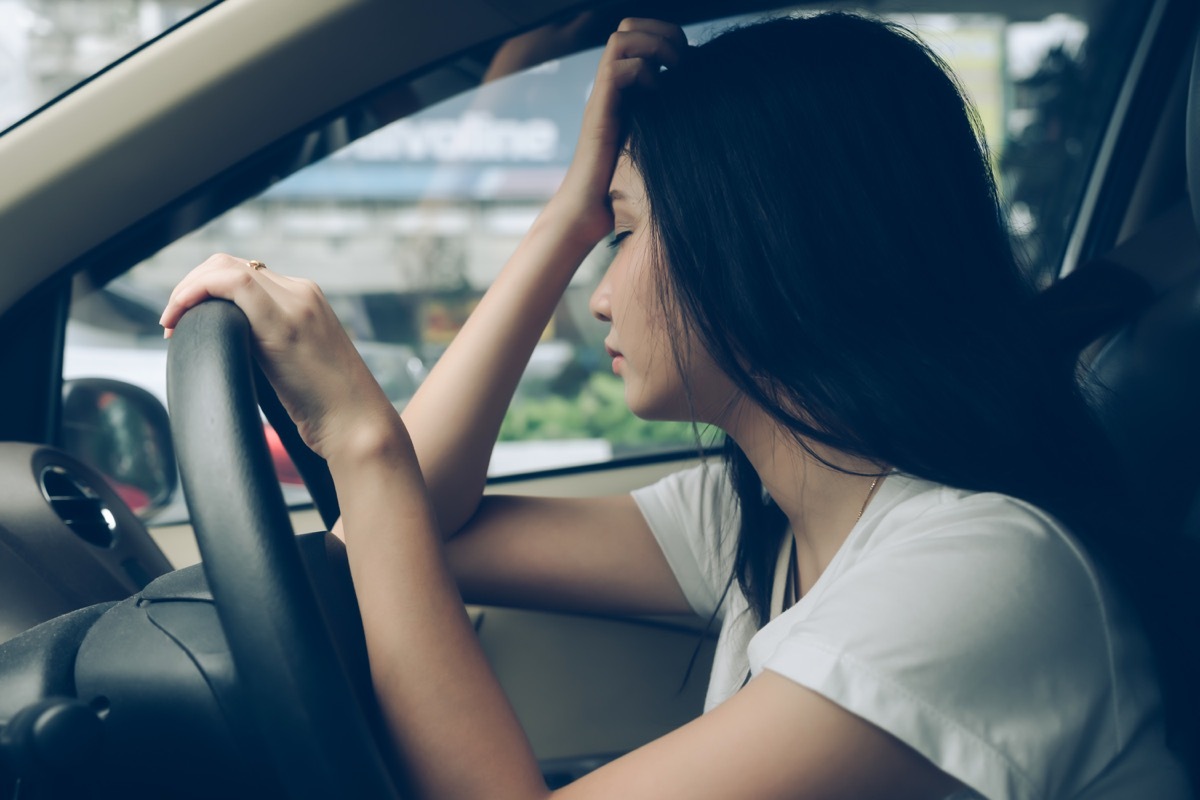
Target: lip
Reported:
[(615, 355)]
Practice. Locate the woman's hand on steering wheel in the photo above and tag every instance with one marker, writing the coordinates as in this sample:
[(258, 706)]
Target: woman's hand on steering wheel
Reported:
[(320, 377)]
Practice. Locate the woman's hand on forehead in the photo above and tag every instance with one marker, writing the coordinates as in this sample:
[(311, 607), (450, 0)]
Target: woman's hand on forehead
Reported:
[(635, 54)]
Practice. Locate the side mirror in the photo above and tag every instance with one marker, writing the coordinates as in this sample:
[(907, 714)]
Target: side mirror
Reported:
[(122, 431)]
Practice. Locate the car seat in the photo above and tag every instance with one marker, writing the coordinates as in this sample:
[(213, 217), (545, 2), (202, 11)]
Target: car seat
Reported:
[(1137, 341)]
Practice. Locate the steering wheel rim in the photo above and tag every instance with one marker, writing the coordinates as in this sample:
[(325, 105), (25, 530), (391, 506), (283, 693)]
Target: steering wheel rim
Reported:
[(297, 686)]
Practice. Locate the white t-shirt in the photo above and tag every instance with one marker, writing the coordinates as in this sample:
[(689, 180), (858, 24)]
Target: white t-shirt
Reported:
[(971, 626)]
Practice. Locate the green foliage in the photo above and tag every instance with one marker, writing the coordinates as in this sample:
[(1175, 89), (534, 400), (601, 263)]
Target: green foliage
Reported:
[(598, 411)]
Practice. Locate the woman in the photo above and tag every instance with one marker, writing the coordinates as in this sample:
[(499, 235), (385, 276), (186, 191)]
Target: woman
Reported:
[(810, 257)]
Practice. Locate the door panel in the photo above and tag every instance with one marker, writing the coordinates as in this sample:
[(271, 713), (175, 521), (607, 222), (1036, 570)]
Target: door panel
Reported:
[(587, 686)]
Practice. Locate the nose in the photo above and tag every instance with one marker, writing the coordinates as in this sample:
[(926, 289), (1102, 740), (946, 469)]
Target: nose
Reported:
[(600, 303)]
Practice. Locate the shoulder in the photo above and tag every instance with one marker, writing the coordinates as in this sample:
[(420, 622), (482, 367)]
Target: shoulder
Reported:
[(975, 628), (941, 529), (978, 579)]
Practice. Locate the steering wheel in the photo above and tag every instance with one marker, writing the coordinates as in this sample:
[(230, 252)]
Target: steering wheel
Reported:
[(298, 683)]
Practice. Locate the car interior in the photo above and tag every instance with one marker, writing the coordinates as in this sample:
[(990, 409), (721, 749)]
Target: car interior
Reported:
[(128, 670)]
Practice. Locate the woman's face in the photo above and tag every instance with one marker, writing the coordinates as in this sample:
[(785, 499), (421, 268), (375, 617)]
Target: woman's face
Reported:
[(640, 339)]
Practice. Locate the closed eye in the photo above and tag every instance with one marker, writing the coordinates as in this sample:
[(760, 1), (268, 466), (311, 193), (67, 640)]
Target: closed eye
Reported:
[(617, 238)]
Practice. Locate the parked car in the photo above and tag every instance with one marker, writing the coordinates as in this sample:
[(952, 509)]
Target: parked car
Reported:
[(373, 145)]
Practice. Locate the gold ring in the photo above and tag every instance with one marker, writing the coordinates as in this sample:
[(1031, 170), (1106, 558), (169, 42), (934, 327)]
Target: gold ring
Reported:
[(256, 264)]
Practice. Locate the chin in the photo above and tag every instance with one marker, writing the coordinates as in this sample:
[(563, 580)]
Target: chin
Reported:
[(658, 408)]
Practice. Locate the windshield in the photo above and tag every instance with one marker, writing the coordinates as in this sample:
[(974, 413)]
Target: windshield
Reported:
[(48, 47)]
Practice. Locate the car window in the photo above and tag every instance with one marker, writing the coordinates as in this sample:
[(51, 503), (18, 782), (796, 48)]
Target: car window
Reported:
[(47, 47), (405, 228)]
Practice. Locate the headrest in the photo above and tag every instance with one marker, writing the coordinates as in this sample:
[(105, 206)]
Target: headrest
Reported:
[(1145, 388)]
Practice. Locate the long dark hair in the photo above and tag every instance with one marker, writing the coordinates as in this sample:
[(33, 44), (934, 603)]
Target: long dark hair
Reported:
[(828, 226)]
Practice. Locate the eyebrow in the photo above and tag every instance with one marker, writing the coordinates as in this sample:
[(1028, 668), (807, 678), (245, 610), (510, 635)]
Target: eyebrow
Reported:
[(616, 195)]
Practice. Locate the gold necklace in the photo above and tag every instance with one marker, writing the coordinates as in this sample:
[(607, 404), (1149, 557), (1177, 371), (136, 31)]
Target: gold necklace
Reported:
[(867, 499), (793, 586)]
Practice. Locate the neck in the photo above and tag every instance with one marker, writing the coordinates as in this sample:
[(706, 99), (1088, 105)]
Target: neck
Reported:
[(822, 501)]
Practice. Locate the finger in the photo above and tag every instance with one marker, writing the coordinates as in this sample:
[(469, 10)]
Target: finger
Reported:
[(288, 293), (666, 30), (297, 297), (215, 262), (641, 44), (272, 277), (244, 287), (629, 71), (280, 288), (207, 265), (647, 78), (599, 117)]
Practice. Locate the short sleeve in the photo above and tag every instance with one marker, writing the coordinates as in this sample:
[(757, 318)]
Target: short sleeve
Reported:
[(693, 515), (977, 634)]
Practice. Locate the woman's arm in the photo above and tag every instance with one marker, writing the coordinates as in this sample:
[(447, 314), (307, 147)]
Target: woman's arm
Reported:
[(455, 416), (458, 735), (594, 554), (590, 554), (586, 554)]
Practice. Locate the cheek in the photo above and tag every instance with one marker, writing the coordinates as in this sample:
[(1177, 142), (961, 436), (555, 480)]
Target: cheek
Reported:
[(643, 294), (701, 392), (655, 386)]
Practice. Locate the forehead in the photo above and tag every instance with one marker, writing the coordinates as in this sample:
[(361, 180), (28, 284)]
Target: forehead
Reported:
[(626, 185)]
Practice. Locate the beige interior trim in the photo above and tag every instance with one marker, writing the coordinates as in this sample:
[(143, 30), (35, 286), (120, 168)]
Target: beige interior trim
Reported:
[(200, 100), (179, 543), (588, 685), (594, 483)]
